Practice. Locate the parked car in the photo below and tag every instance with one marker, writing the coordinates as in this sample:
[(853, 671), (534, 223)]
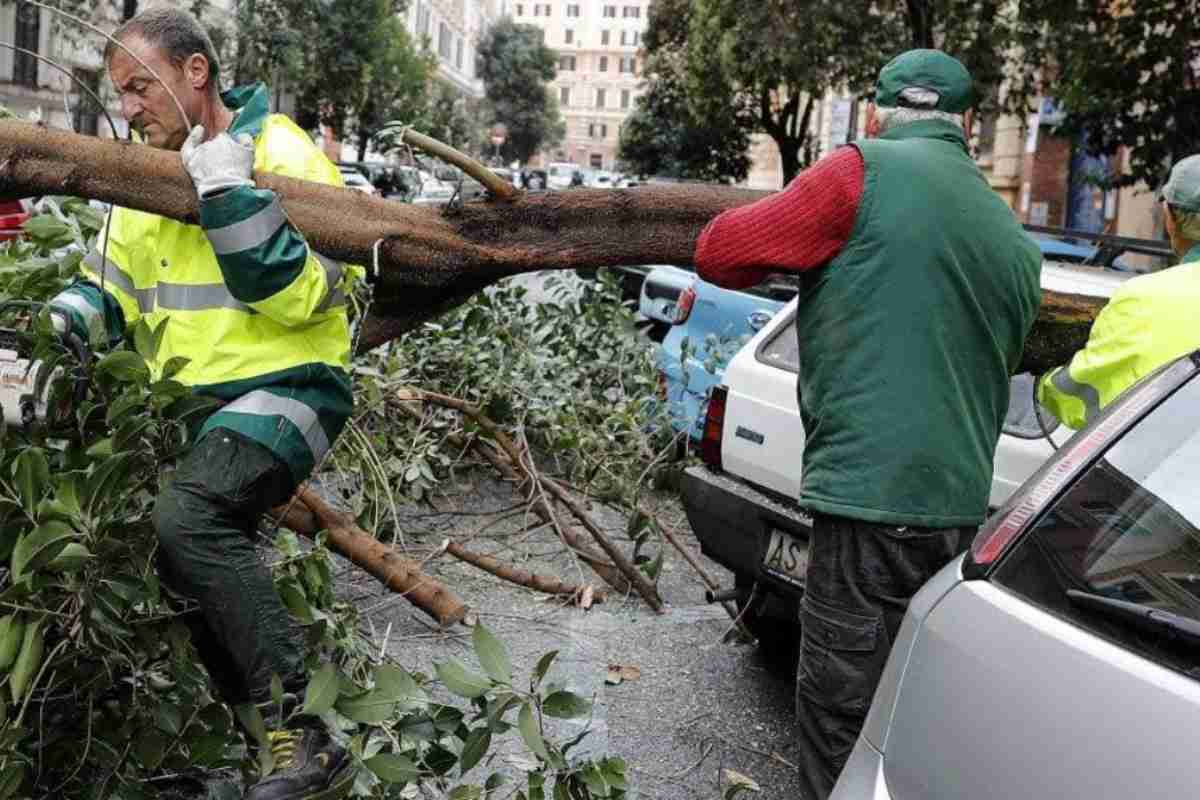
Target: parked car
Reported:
[(353, 179), (536, 180), (741, 502), (1059, 657), (601, 179), (433, 193), (560, 174), (715, 322), (12, 217)]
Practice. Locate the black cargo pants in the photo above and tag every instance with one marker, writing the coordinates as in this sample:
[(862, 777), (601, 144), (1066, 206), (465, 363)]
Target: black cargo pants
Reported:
[(205, 520), (859, 580)]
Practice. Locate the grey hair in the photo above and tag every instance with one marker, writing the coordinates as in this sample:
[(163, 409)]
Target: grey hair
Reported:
[(174, 31), (1187, 223), (894, 117)]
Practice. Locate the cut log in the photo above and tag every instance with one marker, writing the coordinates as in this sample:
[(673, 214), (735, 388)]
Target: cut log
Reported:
[(547, 584), (309, 514), (431, 260)]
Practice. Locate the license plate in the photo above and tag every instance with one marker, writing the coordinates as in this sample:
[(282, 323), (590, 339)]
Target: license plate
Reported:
[(786, 558)]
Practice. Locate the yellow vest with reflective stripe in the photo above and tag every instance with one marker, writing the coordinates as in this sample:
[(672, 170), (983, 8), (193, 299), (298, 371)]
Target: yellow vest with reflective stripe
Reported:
[(159, 269), (1150, 320)]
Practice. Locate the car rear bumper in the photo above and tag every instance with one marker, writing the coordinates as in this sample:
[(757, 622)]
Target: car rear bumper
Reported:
[(733, 521)]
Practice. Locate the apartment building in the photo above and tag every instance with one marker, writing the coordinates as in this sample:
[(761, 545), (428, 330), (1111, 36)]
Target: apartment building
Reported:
[(452, 29), (599, 68), (32, 87)]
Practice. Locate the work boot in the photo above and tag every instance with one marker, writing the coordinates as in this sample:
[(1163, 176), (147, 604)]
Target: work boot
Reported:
[(309, 765)]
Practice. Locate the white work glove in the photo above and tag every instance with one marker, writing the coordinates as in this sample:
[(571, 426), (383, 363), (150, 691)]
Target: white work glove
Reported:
[(220, 163)]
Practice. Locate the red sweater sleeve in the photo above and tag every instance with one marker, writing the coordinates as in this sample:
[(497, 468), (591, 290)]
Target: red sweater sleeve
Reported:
[(802, 227)]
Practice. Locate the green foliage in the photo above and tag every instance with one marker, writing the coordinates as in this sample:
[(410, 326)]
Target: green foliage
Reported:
[(516, 66), (101, 692), (1126, 76), (398, 76)]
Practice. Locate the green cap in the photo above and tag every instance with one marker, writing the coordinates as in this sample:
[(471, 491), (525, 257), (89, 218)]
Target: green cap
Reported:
[(932, 70), (1183, 187)]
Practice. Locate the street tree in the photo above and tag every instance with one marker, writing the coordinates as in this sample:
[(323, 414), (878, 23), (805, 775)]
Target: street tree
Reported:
[(516, 66), (780, 58), (663, 136), (397, 84), (1125, 79)]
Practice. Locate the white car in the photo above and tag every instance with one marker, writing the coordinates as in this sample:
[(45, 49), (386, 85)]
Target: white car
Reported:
[(559, 175), (741, 502)]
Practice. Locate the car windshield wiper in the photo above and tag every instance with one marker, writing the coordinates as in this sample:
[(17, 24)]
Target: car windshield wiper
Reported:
[(1153, 620)]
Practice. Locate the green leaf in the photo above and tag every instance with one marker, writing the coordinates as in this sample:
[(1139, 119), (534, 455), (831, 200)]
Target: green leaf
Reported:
[(474, 749), (370, 708), (124, 365), (397, 683), (466, 792), (174, 366), (566, 705), (46, 228), (530, 732), (248, 714), (322, 691), (461, 681), (31, 471), (70, 559), (393, 768), (11, 777), (543, 666), (40, 546), (101, 449), (492, 655)]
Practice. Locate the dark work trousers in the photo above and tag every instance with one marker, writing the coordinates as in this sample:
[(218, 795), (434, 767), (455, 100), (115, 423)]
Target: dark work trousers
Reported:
[(859, 580), (206, 520)]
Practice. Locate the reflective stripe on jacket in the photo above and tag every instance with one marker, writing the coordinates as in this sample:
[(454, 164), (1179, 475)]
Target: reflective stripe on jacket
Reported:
[(260, 316), (1149, 321)]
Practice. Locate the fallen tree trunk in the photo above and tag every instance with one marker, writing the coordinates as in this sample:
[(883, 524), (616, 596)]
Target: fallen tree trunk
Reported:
[(308, 514), (429, 260)]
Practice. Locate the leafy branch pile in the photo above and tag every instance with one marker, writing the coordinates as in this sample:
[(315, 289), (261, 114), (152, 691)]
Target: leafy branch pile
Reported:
[(101, 695)]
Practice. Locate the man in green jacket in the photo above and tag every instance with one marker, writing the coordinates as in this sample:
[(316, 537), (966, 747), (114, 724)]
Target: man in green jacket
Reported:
[(1149, 321), (917, 290), (254, 318)]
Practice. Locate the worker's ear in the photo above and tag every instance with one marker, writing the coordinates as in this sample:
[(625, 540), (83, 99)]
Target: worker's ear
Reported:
[(195, 69)]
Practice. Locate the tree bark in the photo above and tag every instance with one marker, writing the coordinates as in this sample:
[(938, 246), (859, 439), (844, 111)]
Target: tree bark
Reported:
[(547, 584), (432, 260), (309, 515)]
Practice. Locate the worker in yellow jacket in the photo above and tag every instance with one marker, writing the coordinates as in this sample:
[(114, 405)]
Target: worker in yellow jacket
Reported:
[(1150, 320), (254, 318)]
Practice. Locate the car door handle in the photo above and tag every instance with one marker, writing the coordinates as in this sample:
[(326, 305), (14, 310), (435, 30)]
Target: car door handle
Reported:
[(758, 319)]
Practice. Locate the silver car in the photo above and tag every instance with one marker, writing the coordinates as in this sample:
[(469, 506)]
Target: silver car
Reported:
[(1060, 657)]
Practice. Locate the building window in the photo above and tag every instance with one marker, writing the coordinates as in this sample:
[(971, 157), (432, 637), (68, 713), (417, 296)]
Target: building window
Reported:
[(596, 160), (610, 11), (458, 53), (573, 10), (520, 9), (630, 12), (541, 9), (600, 98), (87, 113), (604, 63), (564, 96), (604, 37), (423, 19), (597, 130), (626, 95), (29, 31), (637, 38), (568, 36), (622, 38), (444, 41), (566, 63), (628, 64)]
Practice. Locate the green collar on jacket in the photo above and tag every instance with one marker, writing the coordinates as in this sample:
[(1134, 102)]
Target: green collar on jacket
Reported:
[(928, 129), (252, 104), (1191, 255)]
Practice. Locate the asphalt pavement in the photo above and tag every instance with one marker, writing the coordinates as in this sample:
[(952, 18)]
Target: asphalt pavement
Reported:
[(689, 706)]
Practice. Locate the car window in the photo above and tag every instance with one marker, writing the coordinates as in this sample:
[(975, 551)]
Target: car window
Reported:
[(1128, 529), (1022, 417), (782, 349)]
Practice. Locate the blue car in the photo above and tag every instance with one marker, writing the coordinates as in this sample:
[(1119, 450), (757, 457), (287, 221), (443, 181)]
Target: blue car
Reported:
[(708, 324)]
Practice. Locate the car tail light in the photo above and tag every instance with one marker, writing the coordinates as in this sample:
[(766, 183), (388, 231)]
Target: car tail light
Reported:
[(1075, 456), (714, 427), (683, 306)]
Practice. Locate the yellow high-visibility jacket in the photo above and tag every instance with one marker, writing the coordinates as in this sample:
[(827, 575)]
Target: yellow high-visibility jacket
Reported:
[(1149, 321), (259, 315)]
